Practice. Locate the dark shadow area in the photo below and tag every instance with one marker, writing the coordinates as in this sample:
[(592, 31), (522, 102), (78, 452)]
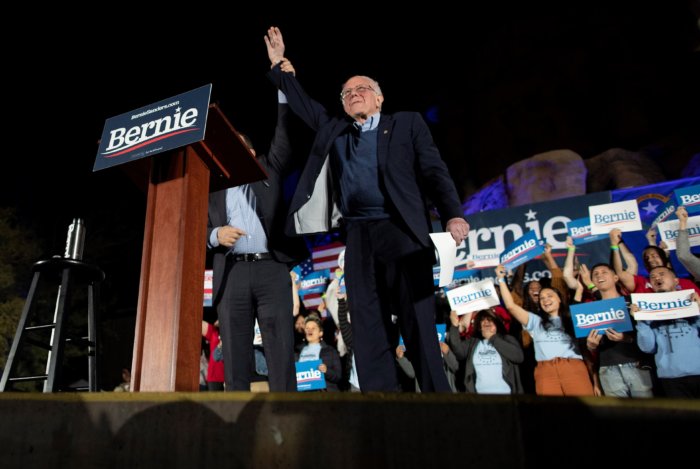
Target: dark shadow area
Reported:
[(336, 430)]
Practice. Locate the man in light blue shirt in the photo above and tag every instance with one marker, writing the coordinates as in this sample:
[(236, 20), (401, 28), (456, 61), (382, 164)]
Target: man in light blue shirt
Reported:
[(251, 262)]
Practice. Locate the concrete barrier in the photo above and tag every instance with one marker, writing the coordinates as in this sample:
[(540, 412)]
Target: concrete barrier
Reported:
[(340, 430)]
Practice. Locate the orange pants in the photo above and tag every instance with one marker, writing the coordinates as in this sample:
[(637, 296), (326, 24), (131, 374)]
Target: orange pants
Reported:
[(562, 377)]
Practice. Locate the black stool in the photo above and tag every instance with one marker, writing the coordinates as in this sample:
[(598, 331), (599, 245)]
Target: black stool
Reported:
[(64, 272)]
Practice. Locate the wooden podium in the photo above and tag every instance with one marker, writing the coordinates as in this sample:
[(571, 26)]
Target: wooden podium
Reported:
[(171, 291)]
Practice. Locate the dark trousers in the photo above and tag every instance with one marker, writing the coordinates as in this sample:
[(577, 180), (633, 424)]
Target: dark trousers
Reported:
[(388, 272), (261, 289), (687, 387), (215, 386)]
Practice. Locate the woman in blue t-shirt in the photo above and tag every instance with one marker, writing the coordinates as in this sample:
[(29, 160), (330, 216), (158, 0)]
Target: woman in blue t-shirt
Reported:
[(560, 370), (491, 356)]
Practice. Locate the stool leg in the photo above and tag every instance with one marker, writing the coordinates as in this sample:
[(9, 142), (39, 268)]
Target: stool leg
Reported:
[(55, 360), (10, 365), (93, 294)]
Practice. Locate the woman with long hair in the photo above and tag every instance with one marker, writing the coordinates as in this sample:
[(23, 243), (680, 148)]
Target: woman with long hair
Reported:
[(561, 370), (491, 356)]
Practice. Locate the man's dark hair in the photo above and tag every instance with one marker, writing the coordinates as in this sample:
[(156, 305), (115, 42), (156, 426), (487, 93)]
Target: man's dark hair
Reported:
[(667, 267), (661, 253)]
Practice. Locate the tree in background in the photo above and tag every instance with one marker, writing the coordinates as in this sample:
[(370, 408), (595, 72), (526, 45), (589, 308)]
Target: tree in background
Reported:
[(19, 250)]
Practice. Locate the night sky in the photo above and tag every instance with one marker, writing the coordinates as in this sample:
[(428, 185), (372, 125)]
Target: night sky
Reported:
[(497, 84)]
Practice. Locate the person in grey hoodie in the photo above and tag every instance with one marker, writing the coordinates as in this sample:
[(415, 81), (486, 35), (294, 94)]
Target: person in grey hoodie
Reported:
[(675, 343), (687, 258)]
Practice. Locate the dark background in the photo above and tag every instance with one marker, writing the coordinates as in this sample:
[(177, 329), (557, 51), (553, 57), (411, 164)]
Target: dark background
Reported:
[(497, 83)]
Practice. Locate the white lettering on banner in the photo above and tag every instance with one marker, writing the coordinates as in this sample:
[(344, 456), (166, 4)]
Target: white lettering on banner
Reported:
[(550, 231), (529, 276), (528, 244), (534, 225), (615, 217), (661, 305), (583, 231), (462, 299), (536, 275), (308, 375), (497, 234), (690, 199), (599, 318), (122, 139)]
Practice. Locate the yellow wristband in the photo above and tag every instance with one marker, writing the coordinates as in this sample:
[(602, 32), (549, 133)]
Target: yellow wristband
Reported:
[(614, 248)]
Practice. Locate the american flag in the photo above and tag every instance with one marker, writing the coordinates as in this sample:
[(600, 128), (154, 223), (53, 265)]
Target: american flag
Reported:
[(208, 287), (304, 268), (326, 256), (309, 290), (314, 273)]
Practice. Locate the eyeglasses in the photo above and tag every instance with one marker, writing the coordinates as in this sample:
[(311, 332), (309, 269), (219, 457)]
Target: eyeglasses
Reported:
[(360, 89)]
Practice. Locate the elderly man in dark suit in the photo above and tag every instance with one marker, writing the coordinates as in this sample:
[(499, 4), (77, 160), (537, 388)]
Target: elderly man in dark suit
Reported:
[(375, 171), (252, 258)]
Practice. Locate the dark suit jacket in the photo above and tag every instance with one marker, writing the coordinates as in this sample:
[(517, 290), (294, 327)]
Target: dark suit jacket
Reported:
[(409, 164), (270, 206)]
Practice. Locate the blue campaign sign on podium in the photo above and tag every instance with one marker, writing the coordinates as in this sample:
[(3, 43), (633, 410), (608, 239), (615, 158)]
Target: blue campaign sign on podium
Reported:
[(168, 124)]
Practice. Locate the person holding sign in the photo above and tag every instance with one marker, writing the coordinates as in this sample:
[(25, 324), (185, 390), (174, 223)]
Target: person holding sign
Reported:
[(622, 368), (675, 343), (491, 355), (315, 349), (527, 296), (561, 370), (652, 256), (686, 257)]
